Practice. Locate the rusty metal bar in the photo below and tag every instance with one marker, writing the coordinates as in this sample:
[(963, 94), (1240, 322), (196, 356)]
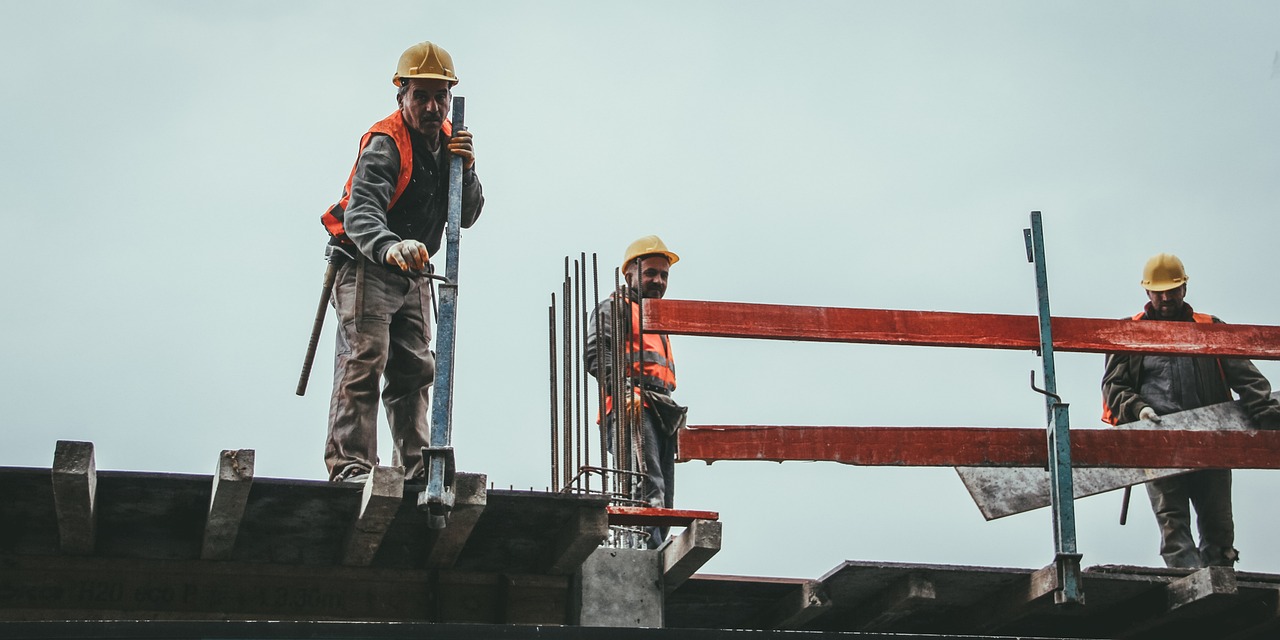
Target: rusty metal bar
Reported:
[(981, 447), (949, 329), (555, 422), (600, 390), (656, 516), (566, 373)]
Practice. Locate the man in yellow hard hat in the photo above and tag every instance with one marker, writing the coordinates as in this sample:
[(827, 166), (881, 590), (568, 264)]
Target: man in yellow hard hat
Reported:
[(383, 232), (1145, 387), (648, 371)]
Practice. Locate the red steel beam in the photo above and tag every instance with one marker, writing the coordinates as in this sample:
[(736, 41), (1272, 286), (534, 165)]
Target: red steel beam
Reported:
[(982, 447), (948, 329), (654, 516)]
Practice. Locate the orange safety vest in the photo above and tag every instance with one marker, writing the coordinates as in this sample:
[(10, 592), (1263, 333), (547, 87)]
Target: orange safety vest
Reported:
[(1113, 419), (648, 359), (392, 125)]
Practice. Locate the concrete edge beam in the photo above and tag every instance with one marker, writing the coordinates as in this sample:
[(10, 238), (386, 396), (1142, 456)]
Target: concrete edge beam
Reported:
[(231, 483), (75, 488), (801, 606), (1206, 584), (578, 539), (905, 597), (685, 554), (379, 502), (470, 500)]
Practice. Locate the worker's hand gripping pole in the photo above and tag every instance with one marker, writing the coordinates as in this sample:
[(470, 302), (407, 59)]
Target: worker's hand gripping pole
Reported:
[(437, 498), (323, 309)]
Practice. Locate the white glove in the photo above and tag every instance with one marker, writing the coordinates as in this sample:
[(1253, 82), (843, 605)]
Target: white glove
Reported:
[(1148, 413)]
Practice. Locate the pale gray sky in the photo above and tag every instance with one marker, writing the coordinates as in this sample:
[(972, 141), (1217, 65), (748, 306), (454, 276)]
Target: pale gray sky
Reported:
[(165, 165)]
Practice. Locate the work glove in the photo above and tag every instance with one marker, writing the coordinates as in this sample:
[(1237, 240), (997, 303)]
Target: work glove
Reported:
[(635, 404), (1148, 413), (409, 255), (460, 145)]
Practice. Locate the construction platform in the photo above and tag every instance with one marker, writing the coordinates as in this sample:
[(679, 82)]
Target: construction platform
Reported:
[(87, 554)]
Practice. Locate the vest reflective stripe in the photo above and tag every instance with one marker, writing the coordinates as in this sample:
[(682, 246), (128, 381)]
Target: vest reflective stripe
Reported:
[(393, 126), (1202, 318), (659, 369), (658, 364)]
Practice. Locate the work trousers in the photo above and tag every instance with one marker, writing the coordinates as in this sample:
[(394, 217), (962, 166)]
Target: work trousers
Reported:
[(657, 463), (384, 332), (1209, 491)]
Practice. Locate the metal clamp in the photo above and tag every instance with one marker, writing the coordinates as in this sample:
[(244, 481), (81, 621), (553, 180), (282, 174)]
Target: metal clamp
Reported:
[(438, 496)]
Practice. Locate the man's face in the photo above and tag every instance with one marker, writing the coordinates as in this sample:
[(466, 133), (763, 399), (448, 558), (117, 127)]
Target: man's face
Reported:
[(652, 276), (425, 105), (1168, 304)]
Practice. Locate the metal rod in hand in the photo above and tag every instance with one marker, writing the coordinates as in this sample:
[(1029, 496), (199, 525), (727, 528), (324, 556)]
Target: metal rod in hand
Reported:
[(330, 272), (437, 499)]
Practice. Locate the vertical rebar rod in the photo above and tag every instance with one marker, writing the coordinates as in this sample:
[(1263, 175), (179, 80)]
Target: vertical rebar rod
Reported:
[(641, 463), (577, 360), (567, 374), (582, 368), (600, 389), (555, 449), (622, 482)]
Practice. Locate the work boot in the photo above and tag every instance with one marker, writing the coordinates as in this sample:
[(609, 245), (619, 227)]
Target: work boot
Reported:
[(353, 475)]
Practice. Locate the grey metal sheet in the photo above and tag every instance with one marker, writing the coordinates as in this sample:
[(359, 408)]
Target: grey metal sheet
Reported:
[(1005, 491)]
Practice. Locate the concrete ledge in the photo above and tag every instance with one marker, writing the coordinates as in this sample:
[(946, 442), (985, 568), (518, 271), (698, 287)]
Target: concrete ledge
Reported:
[(685, 554), (75, 485), (383, 493), (231, 483)]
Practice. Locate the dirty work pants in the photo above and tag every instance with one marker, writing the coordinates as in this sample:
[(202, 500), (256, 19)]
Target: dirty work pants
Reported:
[(1209, 491), (383, 332), (659, 468)]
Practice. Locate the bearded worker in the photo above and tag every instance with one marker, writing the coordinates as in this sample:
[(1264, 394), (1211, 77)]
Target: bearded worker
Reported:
[(1145, 387), (383, 233), (649, 366)]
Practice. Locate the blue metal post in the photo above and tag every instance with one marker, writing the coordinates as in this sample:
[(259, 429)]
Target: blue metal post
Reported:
[(1061, 489), (438, 497)]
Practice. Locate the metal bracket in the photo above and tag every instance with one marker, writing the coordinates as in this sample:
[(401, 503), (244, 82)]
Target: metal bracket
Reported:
[(437, 499), (1058, 433)]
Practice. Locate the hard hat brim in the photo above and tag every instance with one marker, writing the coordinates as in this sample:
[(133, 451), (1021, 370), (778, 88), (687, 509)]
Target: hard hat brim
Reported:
[(1163, 286), (424, 76)]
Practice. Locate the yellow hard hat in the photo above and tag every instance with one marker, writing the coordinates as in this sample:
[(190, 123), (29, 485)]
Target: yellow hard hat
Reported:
[(648, 245), (425, 60), (1163, 272)]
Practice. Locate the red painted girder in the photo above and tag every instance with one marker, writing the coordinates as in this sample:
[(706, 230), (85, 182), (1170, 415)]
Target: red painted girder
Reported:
[(654, 516), (982, 447), (948, 329)]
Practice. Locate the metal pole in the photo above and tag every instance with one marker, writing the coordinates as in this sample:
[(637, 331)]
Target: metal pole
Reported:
[(577, 363), (567, 373), (555, 446), (1061, 488), (438, 497), (600, 390)]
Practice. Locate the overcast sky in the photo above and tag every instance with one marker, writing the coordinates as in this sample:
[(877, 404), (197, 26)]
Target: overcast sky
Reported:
[(165, 165)]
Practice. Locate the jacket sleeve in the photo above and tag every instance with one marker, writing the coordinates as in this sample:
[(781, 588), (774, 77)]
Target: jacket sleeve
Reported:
[(1120, 387), (472, 197), (598, 353), (1253, 389), (372, 186)]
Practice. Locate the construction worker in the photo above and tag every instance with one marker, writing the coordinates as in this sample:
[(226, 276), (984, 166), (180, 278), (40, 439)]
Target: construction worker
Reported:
[(1146, 387), (384, 231), (650, 368)]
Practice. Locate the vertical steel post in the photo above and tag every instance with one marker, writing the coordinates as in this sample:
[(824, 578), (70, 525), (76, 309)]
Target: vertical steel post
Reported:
[(1061, 489), (438, 497)]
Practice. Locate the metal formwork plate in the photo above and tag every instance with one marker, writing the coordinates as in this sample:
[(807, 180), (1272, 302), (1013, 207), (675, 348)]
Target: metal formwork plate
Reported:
[(1005, 491)]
